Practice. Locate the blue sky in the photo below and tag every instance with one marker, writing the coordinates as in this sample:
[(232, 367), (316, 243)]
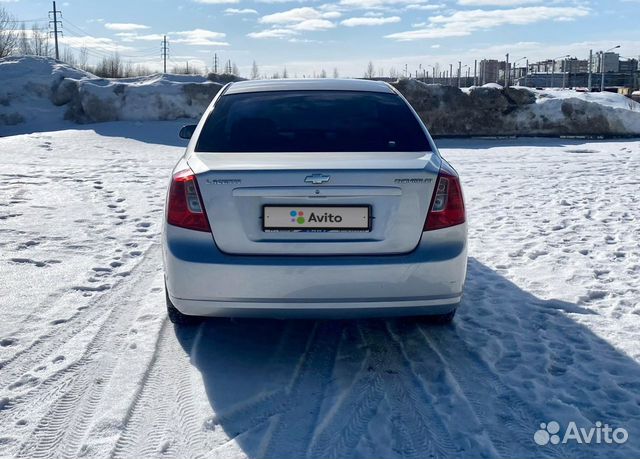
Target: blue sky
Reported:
[(307, 36)]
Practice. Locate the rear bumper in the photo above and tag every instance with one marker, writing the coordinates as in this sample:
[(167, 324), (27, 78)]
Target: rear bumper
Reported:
[(203, 281)]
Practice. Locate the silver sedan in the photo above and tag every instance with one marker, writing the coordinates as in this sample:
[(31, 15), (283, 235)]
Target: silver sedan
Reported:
[(313, 198)]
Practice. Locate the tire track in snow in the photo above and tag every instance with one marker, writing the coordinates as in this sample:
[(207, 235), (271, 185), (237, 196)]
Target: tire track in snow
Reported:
[(509, 421), (417, 429), (140, 436), (167, 391), (341, 430), (72, 394), (293, 431)]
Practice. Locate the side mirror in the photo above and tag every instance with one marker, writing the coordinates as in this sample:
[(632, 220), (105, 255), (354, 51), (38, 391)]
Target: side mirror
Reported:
[(187, 131)]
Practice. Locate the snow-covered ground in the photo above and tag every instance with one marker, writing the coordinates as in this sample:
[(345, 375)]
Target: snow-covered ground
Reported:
[(89, 366)]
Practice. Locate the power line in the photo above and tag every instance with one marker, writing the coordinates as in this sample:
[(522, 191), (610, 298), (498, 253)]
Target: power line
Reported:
[(27, 20), (108, 50)]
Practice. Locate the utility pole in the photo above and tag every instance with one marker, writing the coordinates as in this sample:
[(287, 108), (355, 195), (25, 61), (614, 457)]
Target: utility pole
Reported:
[(55, 23), (590, 80), (526, 75), (450, 74), (187, 67), (164, 53), (459, 74), (507, 70), (215, 63), (601, 71), (475, 72)]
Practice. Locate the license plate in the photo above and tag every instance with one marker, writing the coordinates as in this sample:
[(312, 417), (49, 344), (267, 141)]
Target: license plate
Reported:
[(312, 218)]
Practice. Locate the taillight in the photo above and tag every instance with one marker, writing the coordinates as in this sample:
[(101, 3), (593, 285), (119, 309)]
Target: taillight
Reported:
[(184, 204), (447, 203)]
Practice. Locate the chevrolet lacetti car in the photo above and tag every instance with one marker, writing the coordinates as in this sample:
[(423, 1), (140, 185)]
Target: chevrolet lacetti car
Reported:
[(313, 198)]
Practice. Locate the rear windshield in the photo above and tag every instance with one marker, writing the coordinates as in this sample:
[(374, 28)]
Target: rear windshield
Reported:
[(327, 121)]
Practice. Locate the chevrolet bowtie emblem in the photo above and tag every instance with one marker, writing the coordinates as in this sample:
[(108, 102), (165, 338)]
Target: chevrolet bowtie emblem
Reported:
[(317, 179)]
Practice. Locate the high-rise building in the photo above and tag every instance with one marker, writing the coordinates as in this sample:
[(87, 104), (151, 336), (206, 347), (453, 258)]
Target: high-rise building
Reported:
[(489, 71), (628, 65), (572, 65), (611, 62), (541, 66)]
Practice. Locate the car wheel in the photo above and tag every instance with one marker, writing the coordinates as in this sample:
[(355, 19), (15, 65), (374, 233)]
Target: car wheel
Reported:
[(176, 316)]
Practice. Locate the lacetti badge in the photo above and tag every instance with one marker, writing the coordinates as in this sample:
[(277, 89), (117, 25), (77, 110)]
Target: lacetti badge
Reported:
[(327, 217)]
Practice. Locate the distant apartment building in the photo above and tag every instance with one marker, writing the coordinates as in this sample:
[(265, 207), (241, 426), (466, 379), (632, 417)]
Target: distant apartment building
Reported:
[(628, 66), (574, 72), (490, 71), (572, 65), (541, 67), (610, 61)]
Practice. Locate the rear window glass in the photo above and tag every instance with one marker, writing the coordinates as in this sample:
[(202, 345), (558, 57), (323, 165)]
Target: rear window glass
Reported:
[(313, 121)]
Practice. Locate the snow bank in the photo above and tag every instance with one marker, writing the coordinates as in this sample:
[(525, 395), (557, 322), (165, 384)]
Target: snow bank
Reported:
[(493, 110), (41, 94), (26, 88), (35, 90), (157, 97)]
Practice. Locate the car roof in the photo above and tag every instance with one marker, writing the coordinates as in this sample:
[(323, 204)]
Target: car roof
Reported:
[(308, 84)]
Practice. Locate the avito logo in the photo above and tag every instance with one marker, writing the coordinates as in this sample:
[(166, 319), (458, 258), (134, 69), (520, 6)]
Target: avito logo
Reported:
[(298, 216), (601, 433)]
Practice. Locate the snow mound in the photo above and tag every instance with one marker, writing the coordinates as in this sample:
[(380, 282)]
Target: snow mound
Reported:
[(157, 97), (38, 94), (491, 110), (41, 91), (26, 86), (492, 86)]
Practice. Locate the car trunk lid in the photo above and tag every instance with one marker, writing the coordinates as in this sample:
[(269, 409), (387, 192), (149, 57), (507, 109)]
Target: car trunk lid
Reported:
[(239, 189)]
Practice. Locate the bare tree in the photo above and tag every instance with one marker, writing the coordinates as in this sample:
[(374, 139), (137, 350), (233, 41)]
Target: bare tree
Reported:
[(234, 70), (68, 57), (335, 73), (128, 71), (285, 74), (255, 71), (8, 33), (323, 73), (371, 71), (40, 41), (142, 70), (186, 69), (109, 67), (24, 44)]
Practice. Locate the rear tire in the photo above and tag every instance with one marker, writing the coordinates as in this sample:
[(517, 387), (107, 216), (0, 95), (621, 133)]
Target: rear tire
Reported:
[(176, 316)]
